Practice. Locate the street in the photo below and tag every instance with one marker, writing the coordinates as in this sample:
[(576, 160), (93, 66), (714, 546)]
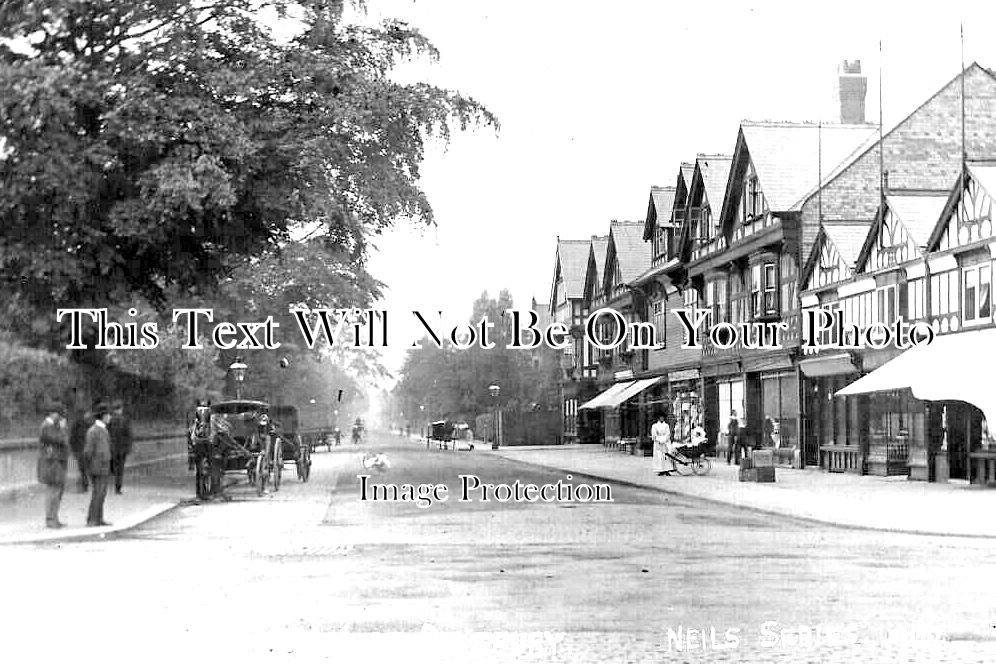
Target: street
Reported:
[(314, 573)]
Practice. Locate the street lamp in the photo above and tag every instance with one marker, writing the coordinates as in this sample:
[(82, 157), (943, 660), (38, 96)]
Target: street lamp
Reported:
[(238, 369), (493, 390)]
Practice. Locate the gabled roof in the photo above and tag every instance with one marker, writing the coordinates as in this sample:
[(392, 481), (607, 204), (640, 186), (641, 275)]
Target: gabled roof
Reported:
[(572, 261), (685, 172), (984, 173), (599, 248), (714, 170), (847, 237), (631, 253), (919, 214), (658, 210), (789, 157)]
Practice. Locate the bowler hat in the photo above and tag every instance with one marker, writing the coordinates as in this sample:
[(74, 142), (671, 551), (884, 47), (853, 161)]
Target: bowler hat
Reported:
[(100, 410)]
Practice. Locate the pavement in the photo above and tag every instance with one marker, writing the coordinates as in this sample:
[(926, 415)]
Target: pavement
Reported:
[(892, 504), (151, 488)]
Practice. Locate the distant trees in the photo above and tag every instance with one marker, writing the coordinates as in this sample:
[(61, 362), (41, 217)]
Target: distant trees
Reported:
[(452, 383)]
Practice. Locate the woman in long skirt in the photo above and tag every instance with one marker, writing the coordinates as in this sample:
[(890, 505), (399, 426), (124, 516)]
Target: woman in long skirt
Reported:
[(661, 434)]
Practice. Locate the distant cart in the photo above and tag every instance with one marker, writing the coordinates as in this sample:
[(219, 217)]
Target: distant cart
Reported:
[(289, 445), (449, 435)]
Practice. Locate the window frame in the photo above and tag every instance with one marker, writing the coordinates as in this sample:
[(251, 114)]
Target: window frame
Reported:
[(975, 315)]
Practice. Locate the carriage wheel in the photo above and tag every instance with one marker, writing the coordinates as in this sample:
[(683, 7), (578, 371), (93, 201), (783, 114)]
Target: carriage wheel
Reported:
[(278, 462), (260, 474), (701, 466), (202, 478)]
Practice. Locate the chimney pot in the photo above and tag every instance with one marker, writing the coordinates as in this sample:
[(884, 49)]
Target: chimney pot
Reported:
[(853, 85)]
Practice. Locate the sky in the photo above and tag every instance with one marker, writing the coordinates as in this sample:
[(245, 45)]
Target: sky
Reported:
[(599, 101)]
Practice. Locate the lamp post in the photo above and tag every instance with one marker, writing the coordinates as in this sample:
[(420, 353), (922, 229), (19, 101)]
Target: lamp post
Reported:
[(494, 390), (238, 369)]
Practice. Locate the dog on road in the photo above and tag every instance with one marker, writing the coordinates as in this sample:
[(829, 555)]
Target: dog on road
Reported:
[(375, 461)]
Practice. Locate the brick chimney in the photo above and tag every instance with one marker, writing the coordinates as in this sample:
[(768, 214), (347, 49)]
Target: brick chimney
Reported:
[(853, 86)]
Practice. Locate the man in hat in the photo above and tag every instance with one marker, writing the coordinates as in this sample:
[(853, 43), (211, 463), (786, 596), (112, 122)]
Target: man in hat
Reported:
[(53, 461), (81, 422), (97, 455), (120, 431)]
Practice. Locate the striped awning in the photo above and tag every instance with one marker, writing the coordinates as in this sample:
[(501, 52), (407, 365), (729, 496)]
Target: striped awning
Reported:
[(601, 400)]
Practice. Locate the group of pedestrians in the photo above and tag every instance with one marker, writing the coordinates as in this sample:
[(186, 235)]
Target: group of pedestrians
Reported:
[(100, 440)]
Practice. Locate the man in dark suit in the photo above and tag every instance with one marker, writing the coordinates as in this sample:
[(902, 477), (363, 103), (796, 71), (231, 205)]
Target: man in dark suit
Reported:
[(82, 421), (97, 455), (120, 431), (53, 459)]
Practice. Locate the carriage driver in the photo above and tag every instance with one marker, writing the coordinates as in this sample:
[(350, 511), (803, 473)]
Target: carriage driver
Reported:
[(221, 443)]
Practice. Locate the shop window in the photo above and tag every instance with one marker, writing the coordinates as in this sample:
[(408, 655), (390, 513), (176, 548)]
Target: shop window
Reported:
[(731, 399), (780, 402), (977, 289), (895, 417)]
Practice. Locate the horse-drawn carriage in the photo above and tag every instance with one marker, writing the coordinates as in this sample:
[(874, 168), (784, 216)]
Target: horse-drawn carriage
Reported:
[(243, 435), (290, 445)]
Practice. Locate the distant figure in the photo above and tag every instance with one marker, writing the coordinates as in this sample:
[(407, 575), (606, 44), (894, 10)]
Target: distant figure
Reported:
[(733, 438), (120, 432), (698, 434), (767, 435), (97, 454), (660, 432), (53, 461)]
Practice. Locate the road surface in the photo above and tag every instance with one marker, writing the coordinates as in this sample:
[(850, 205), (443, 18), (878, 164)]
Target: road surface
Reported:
[(313, 573)]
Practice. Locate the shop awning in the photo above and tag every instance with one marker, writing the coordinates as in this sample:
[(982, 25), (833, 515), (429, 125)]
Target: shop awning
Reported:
[(954, 367), (770, 363), (833, 365), (600, 400), (635, 388)]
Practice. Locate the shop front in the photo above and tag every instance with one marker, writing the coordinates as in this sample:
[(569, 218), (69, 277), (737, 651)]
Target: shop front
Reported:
[(779, 430), (685, 404), (622, 414), (723, 399), (926, 410), (829, 425)]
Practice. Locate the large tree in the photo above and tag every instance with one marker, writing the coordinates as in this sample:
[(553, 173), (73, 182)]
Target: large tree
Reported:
[(149, 148)]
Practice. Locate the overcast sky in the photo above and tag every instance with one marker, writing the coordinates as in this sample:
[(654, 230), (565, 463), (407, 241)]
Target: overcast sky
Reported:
[(599, 101)]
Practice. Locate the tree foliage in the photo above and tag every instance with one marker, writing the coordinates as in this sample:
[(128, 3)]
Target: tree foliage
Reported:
[(152, 148)]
